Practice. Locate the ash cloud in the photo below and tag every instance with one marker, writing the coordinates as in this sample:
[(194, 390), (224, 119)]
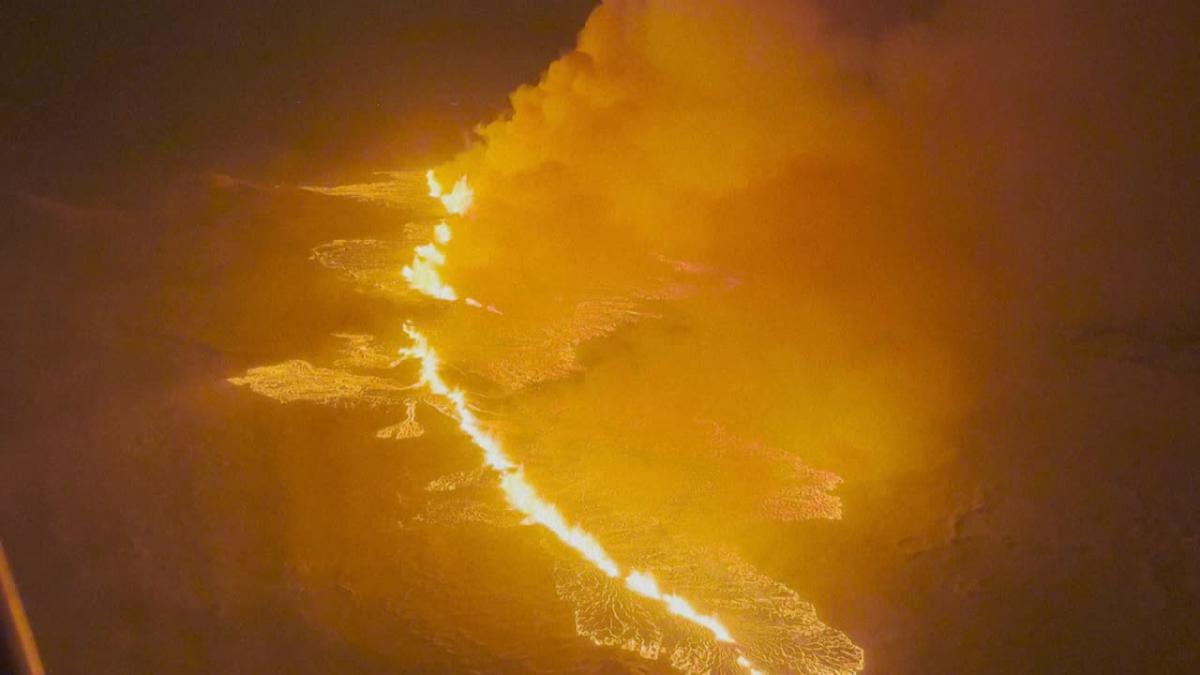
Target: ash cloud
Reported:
[(905, 207)]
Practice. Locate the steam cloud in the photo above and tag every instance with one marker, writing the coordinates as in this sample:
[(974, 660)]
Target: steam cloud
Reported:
[(899, 209)]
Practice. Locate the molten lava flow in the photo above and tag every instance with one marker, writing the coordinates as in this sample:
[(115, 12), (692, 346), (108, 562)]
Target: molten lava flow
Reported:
[(441, 233), (519, 493), (522, 497), (435, 188), (644, 584), (422, 274), (458, 200)]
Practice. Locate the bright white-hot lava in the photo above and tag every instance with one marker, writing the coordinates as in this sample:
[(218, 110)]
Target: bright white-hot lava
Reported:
[(519, 493), (423, 276), (441, 233), (422, 273), (644, 584), (458, 200), (522, 497)]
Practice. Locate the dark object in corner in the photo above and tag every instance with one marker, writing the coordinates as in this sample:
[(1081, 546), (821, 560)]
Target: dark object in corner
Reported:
[(19, 656)]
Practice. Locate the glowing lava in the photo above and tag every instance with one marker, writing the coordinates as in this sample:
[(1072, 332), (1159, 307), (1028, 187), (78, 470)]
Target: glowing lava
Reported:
[(458, 200), (423, 276), (422, 273), (519, 493), (441, 233), (522, 497)]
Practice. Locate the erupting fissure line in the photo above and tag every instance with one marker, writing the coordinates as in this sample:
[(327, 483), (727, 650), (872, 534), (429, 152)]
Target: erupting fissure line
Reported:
[(519, 493)]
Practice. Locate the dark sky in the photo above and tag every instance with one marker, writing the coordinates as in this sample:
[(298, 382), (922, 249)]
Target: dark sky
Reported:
[(280, 89)]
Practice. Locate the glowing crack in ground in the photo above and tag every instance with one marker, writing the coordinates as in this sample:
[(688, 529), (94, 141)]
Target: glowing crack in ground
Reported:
[(672, 613), (523, 498)]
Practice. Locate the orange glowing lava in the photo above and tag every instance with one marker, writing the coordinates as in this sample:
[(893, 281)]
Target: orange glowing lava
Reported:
[(519, 493)]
